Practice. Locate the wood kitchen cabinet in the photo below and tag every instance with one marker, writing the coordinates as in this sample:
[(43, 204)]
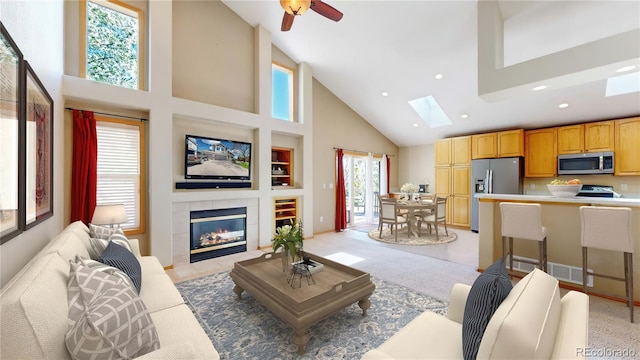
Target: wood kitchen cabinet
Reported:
[(453, 177), (571, 139), (510, 143), (442, 149), (484, 146), (599, 136), (588, 137), (453, 183), (541, 154), (453, 151), (498, 144), (627, 146)]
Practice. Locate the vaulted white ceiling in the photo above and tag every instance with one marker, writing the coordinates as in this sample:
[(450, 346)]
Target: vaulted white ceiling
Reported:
[(398, 47)]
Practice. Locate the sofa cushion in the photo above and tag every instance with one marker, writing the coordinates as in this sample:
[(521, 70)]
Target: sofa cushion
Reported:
[(106, 318), (93, 264), (34, 311), (526, 323), (121, 258), (485, 296), (177, 325)]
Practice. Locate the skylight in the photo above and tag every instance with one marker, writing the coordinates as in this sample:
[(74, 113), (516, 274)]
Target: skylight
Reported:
[(429, 110), (623, 84)]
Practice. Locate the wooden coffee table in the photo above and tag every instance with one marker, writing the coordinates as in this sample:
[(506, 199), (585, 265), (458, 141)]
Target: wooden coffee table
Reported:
[(336, 287)]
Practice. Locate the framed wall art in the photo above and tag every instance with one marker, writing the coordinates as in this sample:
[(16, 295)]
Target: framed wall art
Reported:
[(11, 85), (39, 150)]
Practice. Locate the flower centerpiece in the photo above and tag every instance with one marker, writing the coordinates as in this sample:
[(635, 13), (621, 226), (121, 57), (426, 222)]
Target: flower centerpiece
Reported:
[(289, 239), (409, 189)]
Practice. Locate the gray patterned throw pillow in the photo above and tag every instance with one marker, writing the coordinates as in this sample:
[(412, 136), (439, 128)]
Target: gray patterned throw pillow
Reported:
[(107, 320), (94, 264), (100, 242)]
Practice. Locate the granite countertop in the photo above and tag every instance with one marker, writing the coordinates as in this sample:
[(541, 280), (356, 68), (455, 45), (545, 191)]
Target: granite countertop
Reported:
[(552, 199)]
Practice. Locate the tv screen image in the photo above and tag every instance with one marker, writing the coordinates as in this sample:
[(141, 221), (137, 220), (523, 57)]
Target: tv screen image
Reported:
[(220, 159)]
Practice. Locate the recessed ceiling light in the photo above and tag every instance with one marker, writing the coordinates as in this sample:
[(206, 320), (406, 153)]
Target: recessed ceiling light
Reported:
[(541, 87), (438, 76), (563, 105), (384, 93), (415, 125), (464, 116), (626, 68)]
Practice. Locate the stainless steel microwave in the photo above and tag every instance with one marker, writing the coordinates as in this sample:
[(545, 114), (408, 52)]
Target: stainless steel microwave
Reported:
[(585, 163)]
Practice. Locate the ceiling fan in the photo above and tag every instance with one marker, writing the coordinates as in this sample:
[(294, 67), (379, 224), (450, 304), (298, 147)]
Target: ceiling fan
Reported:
[(298, 7)]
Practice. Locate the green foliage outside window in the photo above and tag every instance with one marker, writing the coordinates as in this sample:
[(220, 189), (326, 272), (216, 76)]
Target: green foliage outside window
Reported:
[(112, 46)]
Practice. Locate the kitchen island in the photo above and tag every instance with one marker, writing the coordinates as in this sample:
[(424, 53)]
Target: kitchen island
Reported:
[(561, 217)]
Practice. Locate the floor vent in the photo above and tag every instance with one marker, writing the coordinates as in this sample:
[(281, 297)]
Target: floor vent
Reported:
[(566, 273)]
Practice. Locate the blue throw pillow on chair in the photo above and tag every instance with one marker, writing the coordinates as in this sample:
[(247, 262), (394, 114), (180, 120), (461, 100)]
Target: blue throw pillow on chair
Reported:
[(123, 259), (485, 296)]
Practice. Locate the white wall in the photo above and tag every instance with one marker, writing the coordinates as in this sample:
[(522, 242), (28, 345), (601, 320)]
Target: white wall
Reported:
[(36, 27)]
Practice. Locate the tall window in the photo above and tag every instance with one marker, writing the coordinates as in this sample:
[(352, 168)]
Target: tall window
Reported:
[(121, 168), (282, 92), (112, 43)]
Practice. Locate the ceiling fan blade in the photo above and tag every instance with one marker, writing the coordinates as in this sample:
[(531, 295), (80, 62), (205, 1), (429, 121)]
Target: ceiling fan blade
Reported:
[(326, 10), (287, 21)]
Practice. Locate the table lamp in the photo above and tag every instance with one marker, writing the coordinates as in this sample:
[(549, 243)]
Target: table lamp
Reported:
[(109, 215)]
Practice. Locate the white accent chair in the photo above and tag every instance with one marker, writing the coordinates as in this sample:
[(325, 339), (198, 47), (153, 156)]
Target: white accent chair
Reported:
[(608, 228), (523, 221), (533, 322)]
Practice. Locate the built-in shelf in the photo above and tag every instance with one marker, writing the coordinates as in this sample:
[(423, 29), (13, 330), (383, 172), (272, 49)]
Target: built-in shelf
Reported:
[(285, 210), (281, 167)]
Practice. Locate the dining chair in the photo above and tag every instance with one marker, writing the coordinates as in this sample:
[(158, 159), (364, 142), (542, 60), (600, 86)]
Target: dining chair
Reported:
[(389, 215), (439, 215), (425, 212)]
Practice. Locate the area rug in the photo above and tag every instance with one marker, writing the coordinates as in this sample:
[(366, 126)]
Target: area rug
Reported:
[(403, 239), (244, 329)]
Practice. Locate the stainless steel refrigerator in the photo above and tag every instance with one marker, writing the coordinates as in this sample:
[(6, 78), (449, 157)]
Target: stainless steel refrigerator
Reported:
[(494, 176)]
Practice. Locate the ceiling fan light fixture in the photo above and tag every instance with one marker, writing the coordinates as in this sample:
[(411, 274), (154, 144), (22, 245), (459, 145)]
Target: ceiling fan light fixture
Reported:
[(295, 7)]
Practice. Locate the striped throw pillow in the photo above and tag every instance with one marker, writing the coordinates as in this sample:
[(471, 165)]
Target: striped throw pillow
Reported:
[(107, 320), (485, 296), (123, 259)]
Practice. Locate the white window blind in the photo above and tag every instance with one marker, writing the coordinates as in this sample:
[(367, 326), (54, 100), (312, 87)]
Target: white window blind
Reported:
[(119, 168)]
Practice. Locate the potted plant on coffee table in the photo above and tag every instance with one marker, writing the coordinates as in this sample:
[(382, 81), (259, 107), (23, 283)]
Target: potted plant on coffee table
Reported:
[(289, 239)]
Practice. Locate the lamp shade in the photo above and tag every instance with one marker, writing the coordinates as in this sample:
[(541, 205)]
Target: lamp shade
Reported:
[(295, 7), (109, 215)]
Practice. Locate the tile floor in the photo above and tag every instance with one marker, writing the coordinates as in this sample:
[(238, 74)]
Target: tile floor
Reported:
[(463, 251)]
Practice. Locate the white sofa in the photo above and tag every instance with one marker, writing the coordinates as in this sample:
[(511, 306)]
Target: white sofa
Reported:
[(35, 309), (532, 322)]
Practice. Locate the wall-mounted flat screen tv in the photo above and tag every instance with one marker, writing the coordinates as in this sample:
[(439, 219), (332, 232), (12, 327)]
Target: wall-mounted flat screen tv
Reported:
[(216, 159)]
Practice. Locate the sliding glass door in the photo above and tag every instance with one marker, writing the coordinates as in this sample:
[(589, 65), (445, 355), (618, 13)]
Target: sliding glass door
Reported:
[(362, 185)]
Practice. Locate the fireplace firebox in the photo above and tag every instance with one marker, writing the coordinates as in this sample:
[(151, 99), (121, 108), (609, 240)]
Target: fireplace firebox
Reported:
[(218, 232)]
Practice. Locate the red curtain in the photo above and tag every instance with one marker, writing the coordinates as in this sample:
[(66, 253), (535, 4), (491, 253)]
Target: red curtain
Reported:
[(341, 200), (388, 174), (84, 171)]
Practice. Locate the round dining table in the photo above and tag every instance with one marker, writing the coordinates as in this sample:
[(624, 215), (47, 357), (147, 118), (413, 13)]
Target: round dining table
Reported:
[(411, 206)]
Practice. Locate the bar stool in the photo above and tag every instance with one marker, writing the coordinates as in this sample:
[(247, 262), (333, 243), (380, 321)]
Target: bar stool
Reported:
[(523, 221), (608, 228)]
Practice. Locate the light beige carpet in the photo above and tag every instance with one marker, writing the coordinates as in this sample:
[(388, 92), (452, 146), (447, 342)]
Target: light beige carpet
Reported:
[(426, 238)]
